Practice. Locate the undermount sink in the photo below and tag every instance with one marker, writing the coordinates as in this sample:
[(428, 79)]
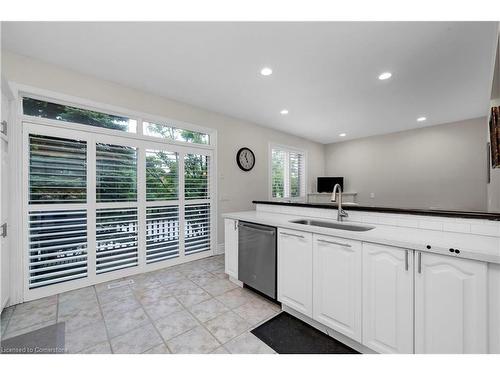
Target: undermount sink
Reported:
[(327, 224)]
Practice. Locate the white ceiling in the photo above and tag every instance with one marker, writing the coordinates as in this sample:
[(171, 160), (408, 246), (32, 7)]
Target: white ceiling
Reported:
[(325, 74)]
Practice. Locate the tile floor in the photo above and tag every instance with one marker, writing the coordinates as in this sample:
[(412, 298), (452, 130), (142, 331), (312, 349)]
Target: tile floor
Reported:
[(189, 308)]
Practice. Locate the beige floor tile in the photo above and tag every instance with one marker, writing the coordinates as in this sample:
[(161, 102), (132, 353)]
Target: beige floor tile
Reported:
[(175, 324), (101, 348), (195, 341), (207, 310), (163, 307), (236, 297), (31, 317), (220, 350), (144, 282), (152, 296), (219, 286), (136, 341), (159, 349), (77, 319), (12, 332), (227, 326), (5, 317), (169, 276), (193, 297), (86, 337), (182, 287), (203, 278), (247, 343), (78, 295), (108, 295), (254, 312), (118, 324), (36, 305), (220, 274), (117, 306), (211, 264)]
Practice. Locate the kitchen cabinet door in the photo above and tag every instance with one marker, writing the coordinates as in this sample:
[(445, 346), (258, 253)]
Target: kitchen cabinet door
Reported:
[(387, 298), (231, 247), (295, 270), (337, 284), (450, 305)]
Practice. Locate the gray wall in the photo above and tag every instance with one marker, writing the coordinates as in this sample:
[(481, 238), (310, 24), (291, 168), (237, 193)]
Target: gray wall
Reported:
[(441, 166), (236, 189)]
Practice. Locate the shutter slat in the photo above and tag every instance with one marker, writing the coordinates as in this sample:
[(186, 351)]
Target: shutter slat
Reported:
[(197, 227), (65, 253), (109, 242), (57, 174), (162, 231), (116, 173)]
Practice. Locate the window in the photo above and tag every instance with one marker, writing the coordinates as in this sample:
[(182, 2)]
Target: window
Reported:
[(57, 170), (103, 203), (162, 182), (57, 247), (54, 111), (116, 237), (288, 173), (175, 134), (116, 171)]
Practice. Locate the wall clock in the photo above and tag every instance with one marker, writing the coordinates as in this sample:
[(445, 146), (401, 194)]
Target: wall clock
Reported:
[(245, 159)]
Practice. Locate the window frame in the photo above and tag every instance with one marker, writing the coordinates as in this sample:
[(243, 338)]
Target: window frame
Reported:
[(286, 182), (93, 135)]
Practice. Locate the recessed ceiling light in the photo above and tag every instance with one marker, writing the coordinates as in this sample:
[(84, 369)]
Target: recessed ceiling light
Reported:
[(266, 71), (284, 111), (342, 134), (422, 119), (385, 75)]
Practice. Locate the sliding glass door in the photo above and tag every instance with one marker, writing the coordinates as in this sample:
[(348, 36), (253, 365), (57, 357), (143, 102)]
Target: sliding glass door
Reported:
[(100, 207)]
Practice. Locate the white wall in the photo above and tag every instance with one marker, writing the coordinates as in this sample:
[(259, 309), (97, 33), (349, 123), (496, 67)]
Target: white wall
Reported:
[(494, 185), (236, 189), (441, 166)]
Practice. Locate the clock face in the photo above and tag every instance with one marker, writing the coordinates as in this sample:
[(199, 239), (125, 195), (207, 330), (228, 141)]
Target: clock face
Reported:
[(245, 159)]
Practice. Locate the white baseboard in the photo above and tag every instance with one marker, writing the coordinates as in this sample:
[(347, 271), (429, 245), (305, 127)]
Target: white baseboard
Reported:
[(220, 249)]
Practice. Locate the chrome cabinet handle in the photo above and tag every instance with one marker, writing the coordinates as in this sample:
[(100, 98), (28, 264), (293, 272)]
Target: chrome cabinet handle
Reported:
[(406, 260), (419, 262), (235, 225), (334, 243), (291, 234)]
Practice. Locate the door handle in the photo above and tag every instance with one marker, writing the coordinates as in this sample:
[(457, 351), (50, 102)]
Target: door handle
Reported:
[(235, 225), (3, 230), (406, 260), (419, 262), (256, 229), (291, 234), (334, 243)]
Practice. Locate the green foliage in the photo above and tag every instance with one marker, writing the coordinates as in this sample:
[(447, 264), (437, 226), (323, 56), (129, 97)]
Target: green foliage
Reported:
[(39, 108), (117, 171)]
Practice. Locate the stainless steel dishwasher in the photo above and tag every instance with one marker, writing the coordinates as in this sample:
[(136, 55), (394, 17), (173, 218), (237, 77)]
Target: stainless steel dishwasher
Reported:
[(257, 257)]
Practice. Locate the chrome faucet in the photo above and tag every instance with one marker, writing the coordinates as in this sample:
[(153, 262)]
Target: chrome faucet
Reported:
[(340, 211)]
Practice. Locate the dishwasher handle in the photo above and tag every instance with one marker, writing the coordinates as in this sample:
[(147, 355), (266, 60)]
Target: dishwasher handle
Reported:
[(247, 227)]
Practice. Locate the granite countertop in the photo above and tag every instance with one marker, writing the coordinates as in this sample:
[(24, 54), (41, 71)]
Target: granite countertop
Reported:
[(471, 246), (395, 210)]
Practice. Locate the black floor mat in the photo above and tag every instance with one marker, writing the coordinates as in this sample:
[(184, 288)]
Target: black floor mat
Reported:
[(289, 335)]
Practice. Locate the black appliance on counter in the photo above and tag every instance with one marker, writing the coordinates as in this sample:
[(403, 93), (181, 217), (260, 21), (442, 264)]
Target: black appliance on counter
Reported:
[(326, 184)]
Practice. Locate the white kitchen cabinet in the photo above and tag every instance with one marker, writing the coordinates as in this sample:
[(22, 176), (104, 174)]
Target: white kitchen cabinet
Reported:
[(295, 270), (450, 304), (387, 298), (337, 284), (231, 247)]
